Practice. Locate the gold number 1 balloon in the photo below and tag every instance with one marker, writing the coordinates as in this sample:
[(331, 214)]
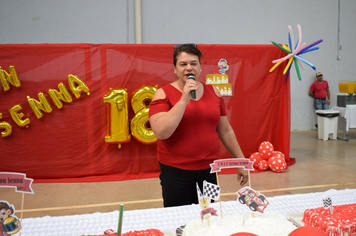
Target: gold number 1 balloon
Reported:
[(118, 128)]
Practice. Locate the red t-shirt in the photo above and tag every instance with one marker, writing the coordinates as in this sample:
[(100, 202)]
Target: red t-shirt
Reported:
[(195, 143), (2, 230), (319, 89)]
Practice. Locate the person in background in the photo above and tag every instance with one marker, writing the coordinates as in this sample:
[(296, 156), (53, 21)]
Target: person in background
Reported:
[(189, 130), (319, 90)]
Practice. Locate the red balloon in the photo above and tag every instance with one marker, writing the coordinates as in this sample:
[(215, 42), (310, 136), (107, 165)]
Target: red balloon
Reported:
[(263, 165), (256, 158), (307, 231), (266, 149), (279, 154), (244, 234), (277, 163)]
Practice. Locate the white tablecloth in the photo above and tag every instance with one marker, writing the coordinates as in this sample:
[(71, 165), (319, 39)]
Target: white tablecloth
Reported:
[(349, 114), (170, 218)]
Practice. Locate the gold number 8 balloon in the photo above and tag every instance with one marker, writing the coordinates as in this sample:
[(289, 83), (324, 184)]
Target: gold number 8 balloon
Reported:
[(140, 127)]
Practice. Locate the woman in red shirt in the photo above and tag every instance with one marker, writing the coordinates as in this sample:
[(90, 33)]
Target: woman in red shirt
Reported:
[(189, 130)]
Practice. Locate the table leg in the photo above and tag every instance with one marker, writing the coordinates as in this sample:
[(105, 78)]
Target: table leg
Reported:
[(343, 122)]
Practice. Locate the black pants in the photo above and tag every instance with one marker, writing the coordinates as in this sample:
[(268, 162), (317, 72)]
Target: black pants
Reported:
[(179, 186)]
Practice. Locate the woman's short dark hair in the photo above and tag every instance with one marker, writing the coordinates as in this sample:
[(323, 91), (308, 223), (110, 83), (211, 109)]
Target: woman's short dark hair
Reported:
[(187, 48)]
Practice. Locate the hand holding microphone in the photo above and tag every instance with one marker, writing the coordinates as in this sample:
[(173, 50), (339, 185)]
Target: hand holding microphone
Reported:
[(192, 93)]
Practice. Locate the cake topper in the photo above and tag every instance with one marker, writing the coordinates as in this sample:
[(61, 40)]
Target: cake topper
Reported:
[(210, 192), (328, 203), (253, 199), (9, 223)]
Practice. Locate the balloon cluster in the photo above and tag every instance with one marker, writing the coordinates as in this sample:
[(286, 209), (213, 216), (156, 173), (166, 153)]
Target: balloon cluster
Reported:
[(294, 51), (267, 158)]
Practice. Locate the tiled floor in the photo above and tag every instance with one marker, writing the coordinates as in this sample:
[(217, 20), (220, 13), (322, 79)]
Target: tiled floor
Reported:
[(320, 165)]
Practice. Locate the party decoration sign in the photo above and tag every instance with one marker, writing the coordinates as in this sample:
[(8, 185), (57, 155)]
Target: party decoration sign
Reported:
[(17, 181), (231, 163), (220, 81), (294, 53)]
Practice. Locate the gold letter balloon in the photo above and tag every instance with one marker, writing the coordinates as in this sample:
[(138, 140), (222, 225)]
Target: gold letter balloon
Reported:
[(6, 78), (81, 86), (17, 116), (61, 95), (36, 106), (6, 126), (140, 126), (117, 114)]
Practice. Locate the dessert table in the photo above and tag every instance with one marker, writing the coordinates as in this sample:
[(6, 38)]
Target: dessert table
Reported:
[(348, 119), (172, 217)]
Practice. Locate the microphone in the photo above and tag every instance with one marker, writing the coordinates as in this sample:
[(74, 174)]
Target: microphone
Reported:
[(192, 93)]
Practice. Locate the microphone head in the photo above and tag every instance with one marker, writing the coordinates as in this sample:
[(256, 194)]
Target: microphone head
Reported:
[(191, 76)]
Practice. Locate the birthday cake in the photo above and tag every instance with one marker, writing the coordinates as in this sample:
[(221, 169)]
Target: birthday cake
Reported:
[(341, 223), (262, 224)]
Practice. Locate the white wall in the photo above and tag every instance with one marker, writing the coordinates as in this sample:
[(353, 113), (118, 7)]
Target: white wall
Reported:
[(67, 21), (199, 21)]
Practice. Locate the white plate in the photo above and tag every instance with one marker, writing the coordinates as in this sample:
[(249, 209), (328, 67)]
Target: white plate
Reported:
[(296, 218), (168, 232), (165, 233)]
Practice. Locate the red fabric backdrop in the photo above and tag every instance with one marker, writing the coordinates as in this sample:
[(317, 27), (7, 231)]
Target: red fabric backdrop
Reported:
[(67, 145)]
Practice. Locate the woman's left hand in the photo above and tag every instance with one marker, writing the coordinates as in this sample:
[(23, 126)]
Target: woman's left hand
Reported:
[(242, 176)]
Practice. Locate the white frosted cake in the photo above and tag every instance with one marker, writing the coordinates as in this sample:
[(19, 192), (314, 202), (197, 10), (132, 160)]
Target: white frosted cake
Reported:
[(262, 224)]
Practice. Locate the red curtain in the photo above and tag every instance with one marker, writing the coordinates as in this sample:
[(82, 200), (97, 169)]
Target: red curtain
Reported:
[(67, 145)]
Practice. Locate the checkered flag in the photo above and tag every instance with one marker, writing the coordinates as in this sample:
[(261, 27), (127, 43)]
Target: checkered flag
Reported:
[(328, 203), (200, 195), (211, 191)]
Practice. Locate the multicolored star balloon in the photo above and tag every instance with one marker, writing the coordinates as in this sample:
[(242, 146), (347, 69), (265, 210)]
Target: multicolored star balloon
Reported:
[(294, 51)]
